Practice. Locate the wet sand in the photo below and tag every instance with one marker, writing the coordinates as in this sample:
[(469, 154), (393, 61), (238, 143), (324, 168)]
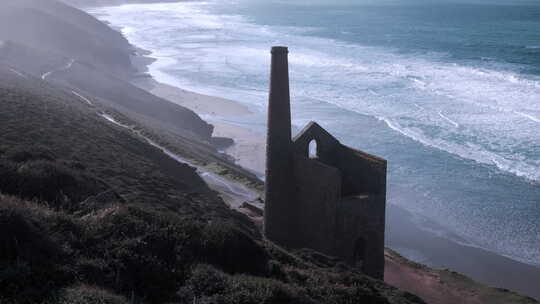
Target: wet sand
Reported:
[(406, 236)]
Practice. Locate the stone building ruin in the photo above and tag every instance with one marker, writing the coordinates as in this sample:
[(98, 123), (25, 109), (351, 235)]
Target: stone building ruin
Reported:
[(319, 193)]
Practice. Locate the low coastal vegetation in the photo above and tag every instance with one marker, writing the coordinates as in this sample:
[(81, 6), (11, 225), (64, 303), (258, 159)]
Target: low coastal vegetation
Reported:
[(91, 213), (154, 257)]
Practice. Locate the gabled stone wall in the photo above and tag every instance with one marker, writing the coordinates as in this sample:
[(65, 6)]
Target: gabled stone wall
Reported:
[(317, 189)]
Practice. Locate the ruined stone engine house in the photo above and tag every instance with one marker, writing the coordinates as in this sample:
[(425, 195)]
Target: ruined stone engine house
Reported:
[(332, 201)]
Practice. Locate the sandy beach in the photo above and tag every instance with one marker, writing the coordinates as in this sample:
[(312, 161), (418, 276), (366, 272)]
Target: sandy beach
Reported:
[(201, 104), (249, 147)]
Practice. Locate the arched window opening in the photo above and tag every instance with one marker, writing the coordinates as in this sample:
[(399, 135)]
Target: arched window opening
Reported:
[(359, 252), (313, 149)]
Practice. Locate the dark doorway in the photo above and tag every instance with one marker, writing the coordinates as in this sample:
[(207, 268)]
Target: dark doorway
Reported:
[(359, 253)]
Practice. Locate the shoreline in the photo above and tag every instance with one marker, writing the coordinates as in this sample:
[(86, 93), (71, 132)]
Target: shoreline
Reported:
[(425, 247), (248, 151)]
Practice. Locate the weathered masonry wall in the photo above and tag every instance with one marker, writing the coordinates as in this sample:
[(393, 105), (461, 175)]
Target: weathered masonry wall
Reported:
[(317, 190), (279, 221), (363, 173), (361, 219)]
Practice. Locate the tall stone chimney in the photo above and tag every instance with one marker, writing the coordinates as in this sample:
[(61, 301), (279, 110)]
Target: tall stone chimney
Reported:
[(278, 210)]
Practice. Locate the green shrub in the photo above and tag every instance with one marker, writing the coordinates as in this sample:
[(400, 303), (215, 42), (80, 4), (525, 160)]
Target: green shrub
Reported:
[(92, 270), (231, 249), (205, 280), (52, 182), (9, 178), (20, 155), (29, 257), (150, 253), (147, 253), (209, 285), (22, 236), (84, 294)]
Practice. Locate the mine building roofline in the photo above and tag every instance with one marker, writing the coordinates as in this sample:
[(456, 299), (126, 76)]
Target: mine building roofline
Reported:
[(314, 131), (368, 156), (309, 131)]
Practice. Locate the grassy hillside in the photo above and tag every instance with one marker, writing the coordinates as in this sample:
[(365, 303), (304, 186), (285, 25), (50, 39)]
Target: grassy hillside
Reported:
[(89, 213)]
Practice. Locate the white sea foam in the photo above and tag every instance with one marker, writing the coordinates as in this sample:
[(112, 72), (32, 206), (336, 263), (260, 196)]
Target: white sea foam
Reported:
[(455, 124), (528, 116)]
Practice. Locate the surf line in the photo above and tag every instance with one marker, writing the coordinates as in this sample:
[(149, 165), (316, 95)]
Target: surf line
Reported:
[(527, 116), (455, 124)]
